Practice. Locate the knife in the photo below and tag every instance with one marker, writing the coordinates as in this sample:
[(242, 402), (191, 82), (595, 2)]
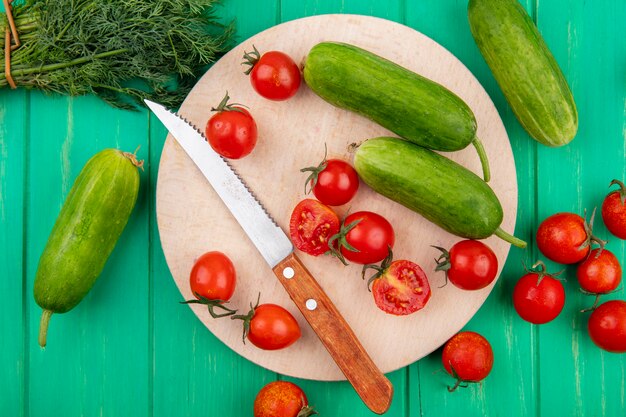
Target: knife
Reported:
[(334, 332)]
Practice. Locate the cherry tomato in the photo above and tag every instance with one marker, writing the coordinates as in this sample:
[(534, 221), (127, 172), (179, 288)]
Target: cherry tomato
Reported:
[(607, 326), (282, 399), (600, 272), (469, 265), (468, 357), (334, 182), (274, 75), (212, 281), (269, 327), (213, 276), (311, 225), (364, 238), (232, 131), (538, 297), (565, 238), (614, 210), (399, 287)]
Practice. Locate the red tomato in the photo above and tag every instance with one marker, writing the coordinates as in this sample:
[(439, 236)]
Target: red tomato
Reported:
[(538, 297), (274, 75), (600, 272), (614, 210), (213, 277), (311, 225), (607, 326), (564, 238), (334, 182), (400, 288), (271, 327), (281, 399), (212, 281), (364, 238), (469, 265), (468, 357), (232, 131)]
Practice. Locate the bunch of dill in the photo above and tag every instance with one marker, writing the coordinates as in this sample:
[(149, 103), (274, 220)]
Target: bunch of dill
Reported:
[(120, 50)]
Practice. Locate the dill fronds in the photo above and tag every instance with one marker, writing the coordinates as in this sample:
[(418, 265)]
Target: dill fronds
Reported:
[(120, 50)]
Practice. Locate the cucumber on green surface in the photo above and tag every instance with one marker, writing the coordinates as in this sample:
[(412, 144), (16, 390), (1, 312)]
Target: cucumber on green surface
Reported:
[(525, 70), (413, 107), (85, 233), (432, 185)]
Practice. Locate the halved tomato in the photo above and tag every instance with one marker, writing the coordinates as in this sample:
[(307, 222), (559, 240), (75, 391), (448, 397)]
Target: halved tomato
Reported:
[(311, 224), (399, 287)]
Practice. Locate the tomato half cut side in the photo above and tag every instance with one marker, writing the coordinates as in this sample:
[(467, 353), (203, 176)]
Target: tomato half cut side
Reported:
[(402, 289), (311, 225)]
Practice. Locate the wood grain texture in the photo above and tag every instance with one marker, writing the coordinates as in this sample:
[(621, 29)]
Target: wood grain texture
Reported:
[(335, 334), (159, 360)]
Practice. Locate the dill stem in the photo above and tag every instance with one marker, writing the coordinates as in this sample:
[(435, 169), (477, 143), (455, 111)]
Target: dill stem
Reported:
[(60, 65)]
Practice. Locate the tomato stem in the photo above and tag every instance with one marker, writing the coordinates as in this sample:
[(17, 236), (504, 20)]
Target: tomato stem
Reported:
[(593, 307), (247, 318), (339, 240), (482, 155), (226, 106), (621, 191), (510, 238), (443, 263), (212, 304), (250, 59), (315, 172), (306, 411), (380, 270)]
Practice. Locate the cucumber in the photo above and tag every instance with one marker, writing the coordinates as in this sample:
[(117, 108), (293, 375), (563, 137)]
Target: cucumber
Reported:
[(525, 70), (413, 107), (432, 185), (85, 233)]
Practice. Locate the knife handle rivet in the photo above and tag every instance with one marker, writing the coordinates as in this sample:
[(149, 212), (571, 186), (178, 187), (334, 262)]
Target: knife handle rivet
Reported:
[(288, 272), (311, 304)]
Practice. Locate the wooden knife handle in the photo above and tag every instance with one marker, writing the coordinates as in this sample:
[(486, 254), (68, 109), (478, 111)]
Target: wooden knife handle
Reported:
[(369, 382)]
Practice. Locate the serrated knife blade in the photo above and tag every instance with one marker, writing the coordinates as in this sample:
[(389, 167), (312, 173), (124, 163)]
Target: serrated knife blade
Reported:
[(265, 234), (316, 307)]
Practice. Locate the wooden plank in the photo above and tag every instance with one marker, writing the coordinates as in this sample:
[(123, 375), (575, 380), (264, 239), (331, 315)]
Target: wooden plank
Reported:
[(193, 372), (13, 148), (95, 362), (513, 341), (577, 378)]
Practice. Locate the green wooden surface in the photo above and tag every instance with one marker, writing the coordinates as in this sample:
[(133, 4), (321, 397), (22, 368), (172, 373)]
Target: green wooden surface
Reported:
[(130, 349)]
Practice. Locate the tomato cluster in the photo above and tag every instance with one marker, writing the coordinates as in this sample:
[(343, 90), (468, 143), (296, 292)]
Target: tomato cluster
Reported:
[(567, 238), (213, 279)]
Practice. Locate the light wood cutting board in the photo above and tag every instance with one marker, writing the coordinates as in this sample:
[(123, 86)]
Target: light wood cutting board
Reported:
[(192, 220)]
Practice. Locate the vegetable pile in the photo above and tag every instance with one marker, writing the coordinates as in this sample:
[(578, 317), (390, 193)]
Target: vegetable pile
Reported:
[(120, 50)]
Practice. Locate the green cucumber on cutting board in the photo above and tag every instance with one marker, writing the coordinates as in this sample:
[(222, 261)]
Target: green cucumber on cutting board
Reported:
[(413, 107), (525, 70), (90, 222), (432, 185)]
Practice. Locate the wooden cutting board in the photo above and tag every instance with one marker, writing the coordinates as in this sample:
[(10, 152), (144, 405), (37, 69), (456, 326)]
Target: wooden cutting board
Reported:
[(192, 220)]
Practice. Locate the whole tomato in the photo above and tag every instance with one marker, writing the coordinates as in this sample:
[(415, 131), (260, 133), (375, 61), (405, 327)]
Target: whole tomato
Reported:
[(282, 399), (399, 287), (333, 181), (364, 238), (269, 327), (212, 281), (469, 265), (311, 225), (614, 210), (274, 75), (468, 357), (599, 274), (231, 131), (607, 326), (566, 238), (538, 297)]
